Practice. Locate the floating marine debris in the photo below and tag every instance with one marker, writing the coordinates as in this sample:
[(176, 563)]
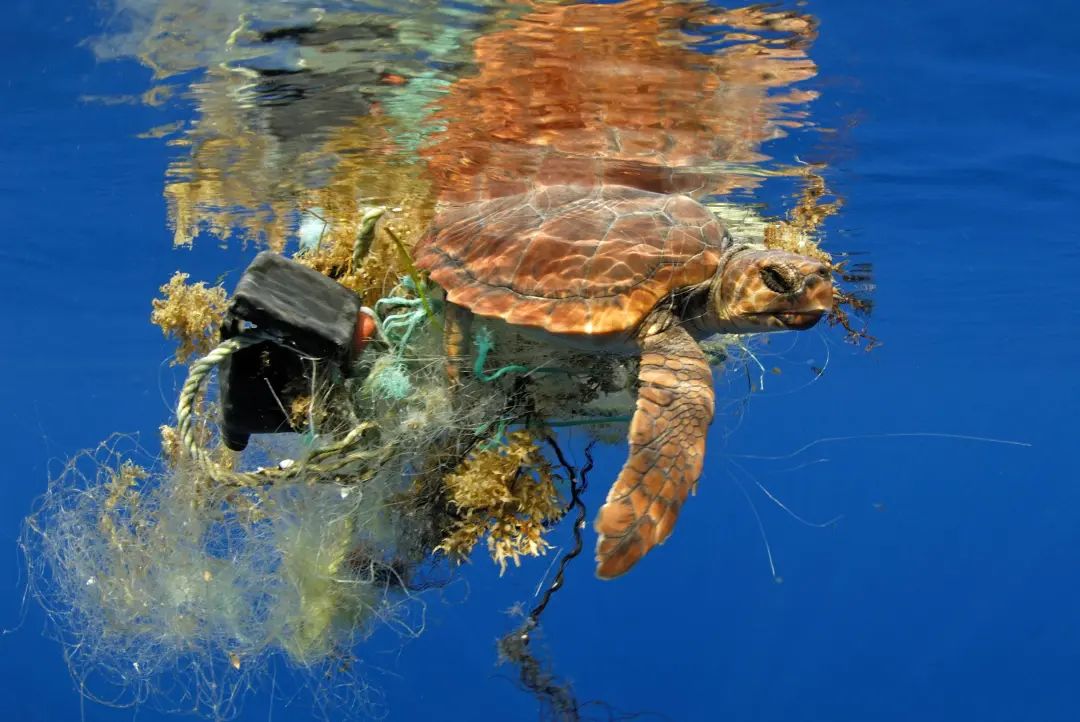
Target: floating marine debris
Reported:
[(530, 224)]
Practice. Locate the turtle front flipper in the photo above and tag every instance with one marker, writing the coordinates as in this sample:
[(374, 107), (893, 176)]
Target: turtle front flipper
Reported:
[(667, 448)]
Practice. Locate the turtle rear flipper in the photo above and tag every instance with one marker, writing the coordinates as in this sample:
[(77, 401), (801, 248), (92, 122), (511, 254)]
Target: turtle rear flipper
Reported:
[(667, 449)]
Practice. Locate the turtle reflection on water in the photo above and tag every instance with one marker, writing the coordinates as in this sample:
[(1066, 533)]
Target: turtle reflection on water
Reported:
[(620, 269)]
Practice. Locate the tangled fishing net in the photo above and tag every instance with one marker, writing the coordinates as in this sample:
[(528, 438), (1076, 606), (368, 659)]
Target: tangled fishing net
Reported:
[(204, 566), (219, 560)]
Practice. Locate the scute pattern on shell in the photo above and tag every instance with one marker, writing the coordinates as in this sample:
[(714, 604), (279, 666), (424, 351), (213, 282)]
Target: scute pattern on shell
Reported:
[(570, 259)]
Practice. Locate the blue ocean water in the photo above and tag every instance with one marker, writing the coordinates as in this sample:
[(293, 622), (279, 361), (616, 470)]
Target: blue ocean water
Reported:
[(946, 590)]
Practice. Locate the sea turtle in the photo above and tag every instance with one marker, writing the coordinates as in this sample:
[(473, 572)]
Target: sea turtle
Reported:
[(619, 269)]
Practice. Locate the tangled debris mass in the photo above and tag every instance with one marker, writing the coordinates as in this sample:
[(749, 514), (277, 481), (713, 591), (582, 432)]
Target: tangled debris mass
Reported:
[(213, 561), (237, 550)]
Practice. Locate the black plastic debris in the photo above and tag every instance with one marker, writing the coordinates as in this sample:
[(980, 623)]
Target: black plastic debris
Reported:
[(312, 316)]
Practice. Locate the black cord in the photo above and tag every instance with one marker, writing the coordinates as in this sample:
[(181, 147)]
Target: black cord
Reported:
[(514, 647), (578, 483)]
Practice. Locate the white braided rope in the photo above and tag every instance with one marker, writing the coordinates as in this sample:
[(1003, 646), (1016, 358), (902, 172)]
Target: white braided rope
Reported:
[(320, 463)]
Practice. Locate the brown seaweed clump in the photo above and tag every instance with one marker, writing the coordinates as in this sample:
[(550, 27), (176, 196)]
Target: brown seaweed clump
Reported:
[(799, 232), (507, 493), (192, 314)]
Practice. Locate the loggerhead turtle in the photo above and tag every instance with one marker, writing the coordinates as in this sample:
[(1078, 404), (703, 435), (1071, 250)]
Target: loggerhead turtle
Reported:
[(624, 270)]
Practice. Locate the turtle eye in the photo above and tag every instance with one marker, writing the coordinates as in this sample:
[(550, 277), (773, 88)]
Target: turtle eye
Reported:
[(779, 279)]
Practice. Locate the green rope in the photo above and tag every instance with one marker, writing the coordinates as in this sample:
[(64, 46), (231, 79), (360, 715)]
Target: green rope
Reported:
[(487, 378), (497, 438), (413, 273), (484, 345), (397, 327), (396, 301)]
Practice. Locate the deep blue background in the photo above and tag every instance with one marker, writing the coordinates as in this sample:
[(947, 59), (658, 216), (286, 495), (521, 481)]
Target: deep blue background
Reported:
[(949, 589)]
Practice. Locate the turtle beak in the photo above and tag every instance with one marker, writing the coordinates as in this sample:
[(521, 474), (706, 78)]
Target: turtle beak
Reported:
[(799, 320)]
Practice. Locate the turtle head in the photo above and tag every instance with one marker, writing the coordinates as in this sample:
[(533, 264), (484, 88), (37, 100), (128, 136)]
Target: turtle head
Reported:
[(770, 290)]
